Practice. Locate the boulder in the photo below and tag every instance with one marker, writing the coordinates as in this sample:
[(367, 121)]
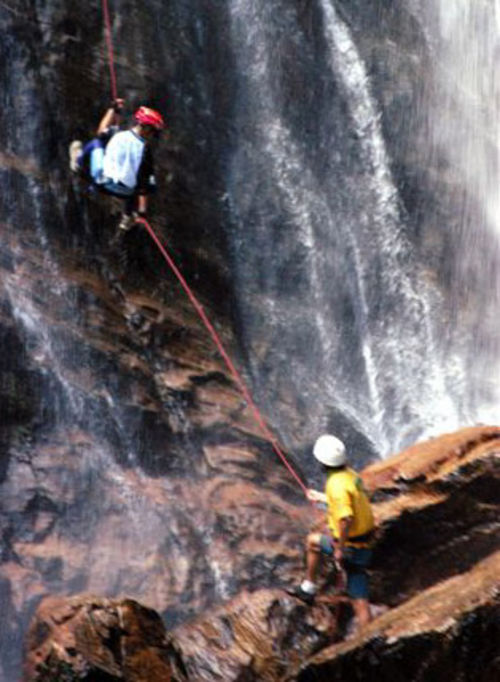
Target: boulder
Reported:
[(256, 636), (88, 638)]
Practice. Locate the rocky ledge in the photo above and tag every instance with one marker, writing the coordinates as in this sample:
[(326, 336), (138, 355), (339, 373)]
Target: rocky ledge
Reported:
[(449, 631), (87, 638), (437, 562)]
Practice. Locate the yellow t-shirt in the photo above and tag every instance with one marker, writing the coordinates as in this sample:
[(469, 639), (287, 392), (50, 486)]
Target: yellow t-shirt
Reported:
[(346, 496)]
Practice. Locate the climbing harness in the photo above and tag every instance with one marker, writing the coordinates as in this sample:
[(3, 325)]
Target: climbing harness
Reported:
[(196, 304)]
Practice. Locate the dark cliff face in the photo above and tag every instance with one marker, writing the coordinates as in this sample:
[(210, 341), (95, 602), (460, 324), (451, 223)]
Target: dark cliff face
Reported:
[(300, 195), (133, 465)]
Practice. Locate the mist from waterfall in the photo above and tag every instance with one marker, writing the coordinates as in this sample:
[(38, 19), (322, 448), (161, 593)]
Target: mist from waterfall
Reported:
[(464, 105)]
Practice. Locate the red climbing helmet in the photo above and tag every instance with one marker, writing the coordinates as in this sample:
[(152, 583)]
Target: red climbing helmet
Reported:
[(149, 117)]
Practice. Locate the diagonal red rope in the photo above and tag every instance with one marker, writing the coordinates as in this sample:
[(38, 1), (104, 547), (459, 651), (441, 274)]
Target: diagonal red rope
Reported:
[(234, 372), (109, 43)]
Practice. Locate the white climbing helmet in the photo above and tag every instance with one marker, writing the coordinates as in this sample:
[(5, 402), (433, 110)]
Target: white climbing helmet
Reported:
[(330, 451)]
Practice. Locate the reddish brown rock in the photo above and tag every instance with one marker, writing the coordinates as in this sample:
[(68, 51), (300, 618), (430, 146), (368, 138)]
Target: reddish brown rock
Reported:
[(431, 460), (450, 631), (257, 636), (437, 562), (87, 638), (147, 477), (437, 510), (448, 613)]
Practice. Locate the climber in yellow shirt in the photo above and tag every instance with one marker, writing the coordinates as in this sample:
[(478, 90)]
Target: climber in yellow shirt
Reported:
[(347, 499), (351, 524)]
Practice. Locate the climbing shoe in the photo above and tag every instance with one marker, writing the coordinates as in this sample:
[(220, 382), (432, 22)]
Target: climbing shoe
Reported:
[(299, 593), (75, 149), (127, 222)]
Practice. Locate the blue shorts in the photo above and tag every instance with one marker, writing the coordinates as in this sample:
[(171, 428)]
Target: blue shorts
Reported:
[(356, 561)]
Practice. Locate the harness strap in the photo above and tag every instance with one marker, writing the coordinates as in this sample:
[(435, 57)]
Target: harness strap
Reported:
[(365, 539)]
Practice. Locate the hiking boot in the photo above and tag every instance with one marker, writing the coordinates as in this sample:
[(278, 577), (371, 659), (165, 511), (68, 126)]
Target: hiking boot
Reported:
[(127, 222), (299, 593), (75, 149)]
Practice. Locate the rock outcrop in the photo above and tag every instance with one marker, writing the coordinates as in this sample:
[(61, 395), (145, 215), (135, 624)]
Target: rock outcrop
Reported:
[(437, 511), (257, 636), (449, 631), (437, 562), (436, 605), (85, 638)]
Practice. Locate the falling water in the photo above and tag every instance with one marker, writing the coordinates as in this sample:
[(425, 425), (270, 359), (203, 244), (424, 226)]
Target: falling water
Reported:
[(464, 102), (467, 122), (382, 227), (286, 168), (397, 389)]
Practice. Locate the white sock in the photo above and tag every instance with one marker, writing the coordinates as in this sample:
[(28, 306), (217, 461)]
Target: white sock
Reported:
[(308, 586)]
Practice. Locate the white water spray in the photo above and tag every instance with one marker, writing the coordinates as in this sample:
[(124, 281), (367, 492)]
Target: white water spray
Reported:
[(464, 107), (403, 385)]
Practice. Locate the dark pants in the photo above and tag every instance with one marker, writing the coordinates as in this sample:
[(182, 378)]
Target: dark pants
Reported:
[(355, 562), (117, 189)]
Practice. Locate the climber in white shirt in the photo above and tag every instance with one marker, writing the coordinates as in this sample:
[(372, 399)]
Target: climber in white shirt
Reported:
[(121, 162), (128, 167)]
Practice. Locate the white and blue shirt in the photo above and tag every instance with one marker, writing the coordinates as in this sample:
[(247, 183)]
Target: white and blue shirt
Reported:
[(123, 157)]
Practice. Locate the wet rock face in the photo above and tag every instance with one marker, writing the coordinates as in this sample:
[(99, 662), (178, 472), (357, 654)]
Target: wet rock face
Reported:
[(139, 469), (89, 639), (222, 202), (19, 391), (444, 617), (132, 465)]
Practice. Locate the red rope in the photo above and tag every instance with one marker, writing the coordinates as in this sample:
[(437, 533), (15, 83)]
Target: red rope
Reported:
[(109, 43), (237, 377)]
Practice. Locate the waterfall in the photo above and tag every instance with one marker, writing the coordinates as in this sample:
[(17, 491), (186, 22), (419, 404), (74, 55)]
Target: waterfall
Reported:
[(400, 383), (285, 169), (467, 121), (381, 227)]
